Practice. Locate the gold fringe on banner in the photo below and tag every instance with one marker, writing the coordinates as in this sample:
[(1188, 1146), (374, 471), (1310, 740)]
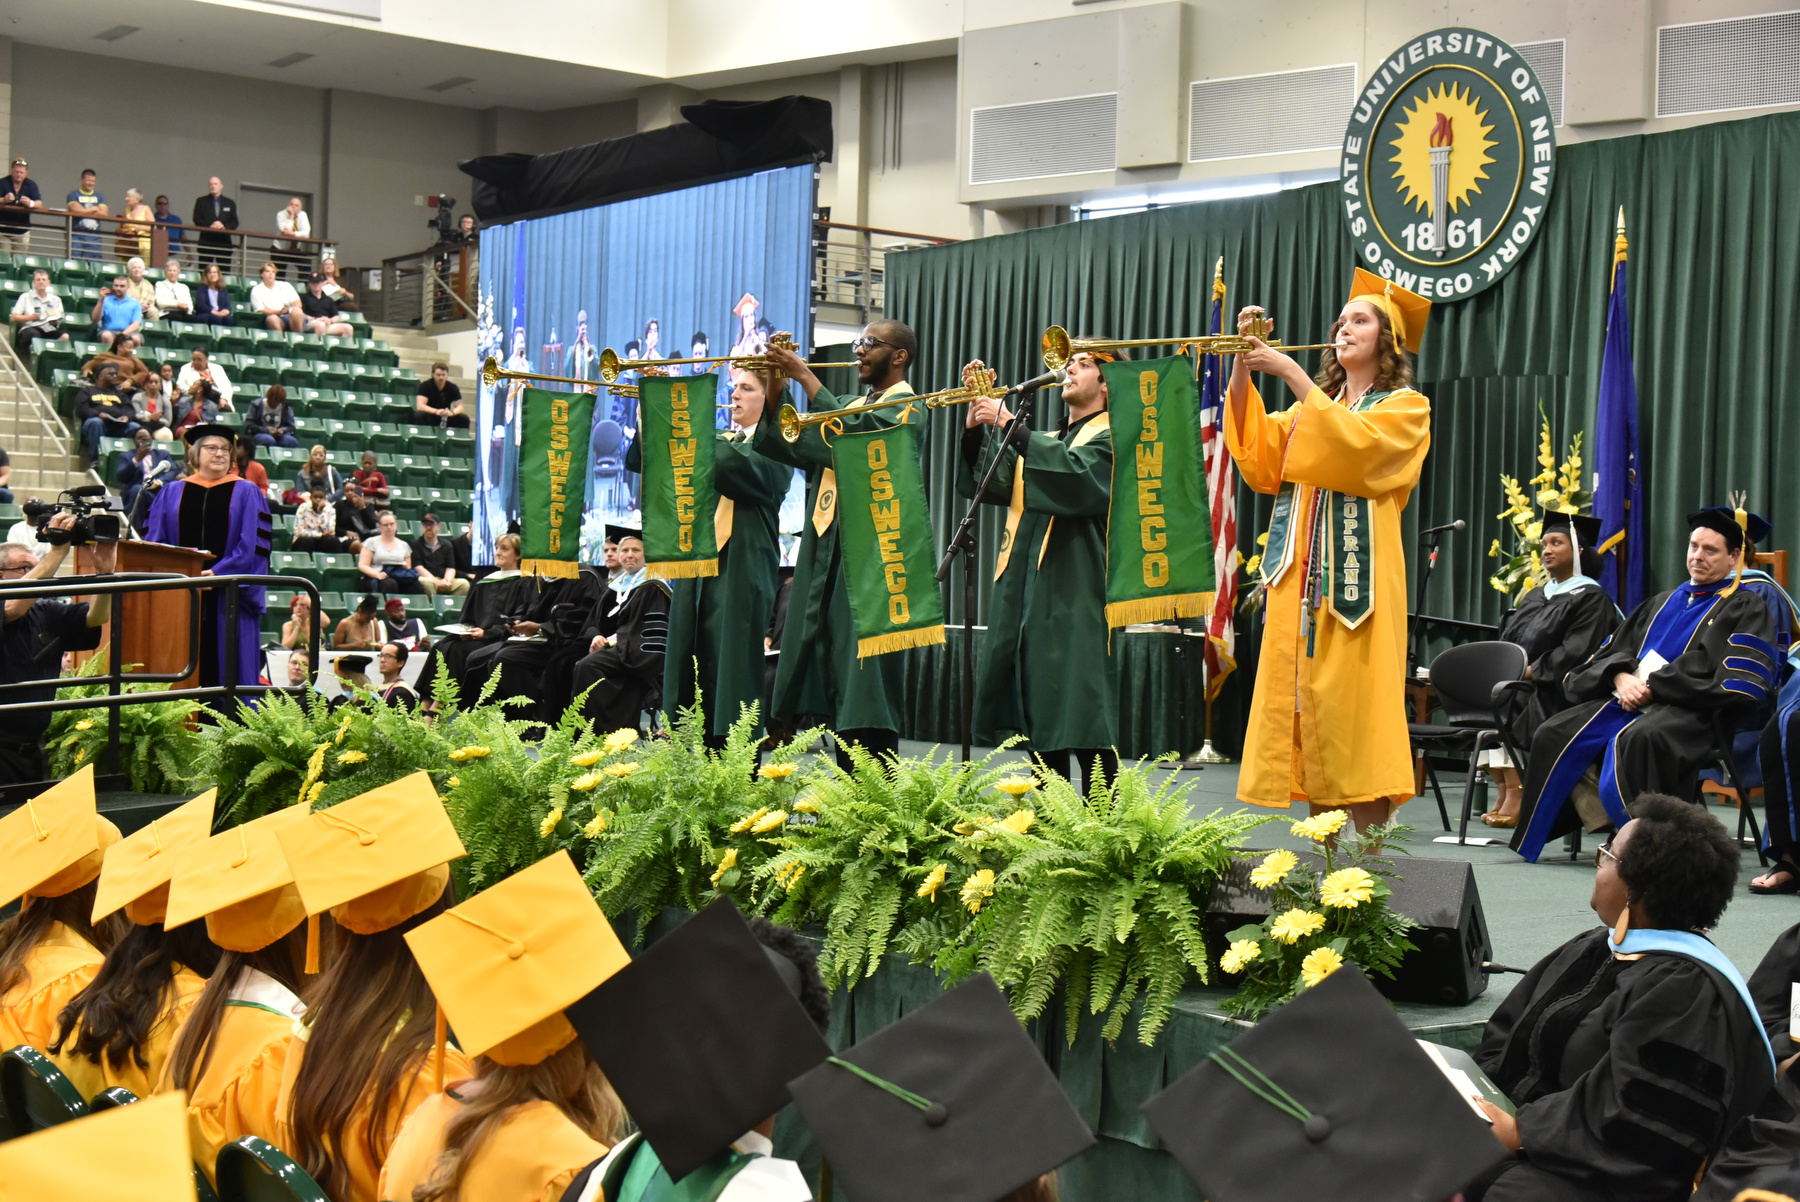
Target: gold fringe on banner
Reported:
[(567, 569), (682, 569), (900, 640), (1159, 609)]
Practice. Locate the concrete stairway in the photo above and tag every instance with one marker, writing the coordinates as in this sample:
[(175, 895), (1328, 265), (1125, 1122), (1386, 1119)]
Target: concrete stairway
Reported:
[(419, 350)]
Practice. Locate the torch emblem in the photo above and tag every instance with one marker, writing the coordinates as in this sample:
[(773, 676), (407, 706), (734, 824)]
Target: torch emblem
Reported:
[(1440, 182)]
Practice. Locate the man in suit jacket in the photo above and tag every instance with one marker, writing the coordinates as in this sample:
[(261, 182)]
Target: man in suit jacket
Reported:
[(215, 213)]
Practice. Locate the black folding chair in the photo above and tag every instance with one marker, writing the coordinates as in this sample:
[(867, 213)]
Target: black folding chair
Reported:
[(1469, 681), (1724, 750)]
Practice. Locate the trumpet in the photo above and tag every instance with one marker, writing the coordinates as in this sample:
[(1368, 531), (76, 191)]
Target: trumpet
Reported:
[(982, 384), (492, 373), (1058, 348), (611, 365)]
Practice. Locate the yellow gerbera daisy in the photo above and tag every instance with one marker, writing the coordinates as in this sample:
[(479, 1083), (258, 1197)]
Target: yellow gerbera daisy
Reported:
[(807, 805), (1347, 888), (773, 820), (790, 876), (1019, 821), (620, 739), (454, 781), (588, 759), (933, 881), (1320, 963), (1240, 953), (979, 885), (621, 769), (471, 752), (1294, 925), (1016, 786), (726, 863), (352, 757), (586, 781), (747, 821), (1321, 826), (1273, 869), (547, 827), (777, 771), (85, 724), (595, 826)]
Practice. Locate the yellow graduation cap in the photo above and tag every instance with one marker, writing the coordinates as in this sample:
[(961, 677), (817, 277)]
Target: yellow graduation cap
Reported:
[(506, 963), (137, 868), (241, 883), (376, 860), (54, 843), (1406, 311), (138, 1151)]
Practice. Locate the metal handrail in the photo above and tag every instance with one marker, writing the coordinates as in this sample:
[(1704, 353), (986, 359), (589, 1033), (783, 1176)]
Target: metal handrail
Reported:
[(433, 276), (58, 226)]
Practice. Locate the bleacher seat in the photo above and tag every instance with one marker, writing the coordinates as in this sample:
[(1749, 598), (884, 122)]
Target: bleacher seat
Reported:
[(293, 563), (335, 571), (386, 437)]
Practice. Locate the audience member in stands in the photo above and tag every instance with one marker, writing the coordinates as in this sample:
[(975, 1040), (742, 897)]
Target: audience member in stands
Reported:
[(244, 456), (435, 561), (103, 411), (199, 404), (152, 408), (439, 402), (393, 689), (200, 367), (213, 303), (321, 312), (291, 220), (164, 217), (6, 493), (316, 523), (172, 296), (215, 213), (356, 518), (37, 315), (370, 478), (19, 195), (296, 631), (386, 559), (269, 422), (87, 203), (360, 629), (397, 627), (117, 311), (334, 288), (141, 472), (316, 475), (141, 289), (132, 239), (276, 302), (122, 355)]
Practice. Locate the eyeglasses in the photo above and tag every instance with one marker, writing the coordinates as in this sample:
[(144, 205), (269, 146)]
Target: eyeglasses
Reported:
[(866, 343), (1604, 851)]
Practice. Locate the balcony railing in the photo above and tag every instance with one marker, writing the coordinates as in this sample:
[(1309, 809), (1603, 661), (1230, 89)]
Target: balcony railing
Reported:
[(53, 234), (850, 264), (427, 287)]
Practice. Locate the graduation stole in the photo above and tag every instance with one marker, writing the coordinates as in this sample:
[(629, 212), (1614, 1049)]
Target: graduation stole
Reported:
[(1015, 505), (1158, 487), (680, 503), (553, 460), (1340, 539), (890, 556)]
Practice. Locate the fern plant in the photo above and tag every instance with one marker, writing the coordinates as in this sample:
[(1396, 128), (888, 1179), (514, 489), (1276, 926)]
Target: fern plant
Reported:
[(1101, 895), (158, 745)]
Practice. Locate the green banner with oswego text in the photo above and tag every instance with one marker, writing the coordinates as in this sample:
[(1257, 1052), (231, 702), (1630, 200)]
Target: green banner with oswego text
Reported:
[(679, 502), (553, 462), (890, 556), (1159, 554)]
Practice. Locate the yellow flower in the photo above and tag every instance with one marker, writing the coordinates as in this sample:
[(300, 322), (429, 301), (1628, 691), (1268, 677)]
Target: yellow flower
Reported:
[(71, 741), (454, 781), (85, 724), (586, 781), (471, 752), (1320, 963), (790, 876), (620, 769), (588, 759), (1019, 821), (777, 771), (1016, 786), (1240, 953), (315, 763), (726, 863), (964, 828), (1321, 826), (771, 821), (1274, 869), (1347, 888), (620, 739), (747, 821), (547, 827), (807, 805), (353, 757), (933, 881), (595, 826), (313, 797), (1292, 926), (79, 756), (978, 886), (344, 728)]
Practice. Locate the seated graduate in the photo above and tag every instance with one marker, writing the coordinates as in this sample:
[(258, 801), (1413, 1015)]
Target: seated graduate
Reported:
[(230, 1054), (362, 1062), (1631, 1052), (118, 1030), (700, 1035), (627, 638), (539, 669), (502, 591), (1559, 624), (1642, 718), (538, 1108), (51, 948)]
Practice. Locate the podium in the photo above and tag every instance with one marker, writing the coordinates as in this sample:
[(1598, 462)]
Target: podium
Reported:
[(156, 624)]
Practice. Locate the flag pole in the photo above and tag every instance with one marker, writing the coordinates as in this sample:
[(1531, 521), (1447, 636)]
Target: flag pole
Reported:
[(1207, 753)]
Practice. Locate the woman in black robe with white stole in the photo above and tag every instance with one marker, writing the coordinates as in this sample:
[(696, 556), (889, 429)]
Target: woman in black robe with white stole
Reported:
[(1631, 1052), (1559, 624)]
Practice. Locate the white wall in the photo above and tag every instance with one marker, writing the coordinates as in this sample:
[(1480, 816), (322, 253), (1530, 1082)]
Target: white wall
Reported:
[(384, 155)]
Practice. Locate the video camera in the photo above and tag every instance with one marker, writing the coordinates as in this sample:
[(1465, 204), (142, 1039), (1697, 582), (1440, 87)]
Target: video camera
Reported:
[(444, 223), (95, 520)]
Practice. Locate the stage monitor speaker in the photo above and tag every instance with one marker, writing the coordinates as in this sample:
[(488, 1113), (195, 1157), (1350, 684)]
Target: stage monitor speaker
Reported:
[(1450, 942)]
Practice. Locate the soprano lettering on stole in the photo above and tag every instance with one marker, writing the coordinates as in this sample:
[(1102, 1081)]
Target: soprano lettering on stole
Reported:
[(1352, 543)]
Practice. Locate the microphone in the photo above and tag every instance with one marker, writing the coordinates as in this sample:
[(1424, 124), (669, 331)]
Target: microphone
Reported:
[(1458, 524), (1049, 379)]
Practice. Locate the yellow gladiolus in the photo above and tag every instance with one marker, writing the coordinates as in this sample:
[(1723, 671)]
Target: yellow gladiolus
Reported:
[(1273, 869), (726, 863), (1320, 963), (1346, 889), (980, 885), (933, 881), (1240, 953), (1294, 925)]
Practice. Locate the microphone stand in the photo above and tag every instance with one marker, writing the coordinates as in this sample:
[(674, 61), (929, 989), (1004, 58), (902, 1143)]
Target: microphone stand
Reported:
[(963, 543), (1414, 652)]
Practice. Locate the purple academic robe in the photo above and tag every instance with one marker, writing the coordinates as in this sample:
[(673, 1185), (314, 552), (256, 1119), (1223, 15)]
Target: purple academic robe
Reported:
[(231, 520)]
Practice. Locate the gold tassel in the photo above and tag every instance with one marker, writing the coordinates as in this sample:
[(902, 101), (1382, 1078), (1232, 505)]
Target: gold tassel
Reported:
[(437, 1051), (1158, 609), (682, 569), (899, 640), (566, 569), (312, 944)]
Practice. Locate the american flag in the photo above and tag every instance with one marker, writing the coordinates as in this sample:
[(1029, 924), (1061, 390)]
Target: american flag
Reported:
[(1221, 495)]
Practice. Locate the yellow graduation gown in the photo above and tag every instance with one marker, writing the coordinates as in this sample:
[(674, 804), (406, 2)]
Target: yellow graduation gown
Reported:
[(409, 1095), (531, 1158), (59, 967), (90, 1076), (1331, 727)]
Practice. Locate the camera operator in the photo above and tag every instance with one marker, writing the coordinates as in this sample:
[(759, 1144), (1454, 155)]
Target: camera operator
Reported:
[(37, 632)]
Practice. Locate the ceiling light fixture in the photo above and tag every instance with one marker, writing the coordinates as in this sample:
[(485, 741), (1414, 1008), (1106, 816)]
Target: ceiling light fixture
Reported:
[(116, 32), (444, 85), (288, 60)]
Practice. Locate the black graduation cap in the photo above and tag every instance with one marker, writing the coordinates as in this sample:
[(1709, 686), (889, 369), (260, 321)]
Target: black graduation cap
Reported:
[(1330, 1096), (1587, 529), (699, 1036), (953, 1103), (1723, 518), (194, 433), (615, 533), (353, 663)]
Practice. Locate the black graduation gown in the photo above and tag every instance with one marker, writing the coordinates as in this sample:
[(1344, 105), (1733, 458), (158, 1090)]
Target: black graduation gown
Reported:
[(1627, 1074), (1558, 633), (487, 600), (625, 678), (1763, 1151), (541, 671), (537, 605)]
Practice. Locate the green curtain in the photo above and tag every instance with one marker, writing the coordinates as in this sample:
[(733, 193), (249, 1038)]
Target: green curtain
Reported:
[(1713, 220)]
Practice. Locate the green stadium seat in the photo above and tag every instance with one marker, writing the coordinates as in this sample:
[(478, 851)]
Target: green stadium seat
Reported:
[(308, 346), (12, 512), (331, 602), (334, 373), (344, 458), (261, 371), (231, 340), (414, 471), (52, 357), (297, 373), (336, 572), (279, 600), (157, 336), (34, 1092), (306, 428), (111, 451), (341, 431), (377, 353), (191, 336), (243, 315), (408, 529), (459, 443), (111, 1099), (234, 420), (455, 473), (77, 273), (362, 406), (293, 563), (450, 529), (108, 271), (408, 504), (283, 460), (387, 437), (252, 1170)]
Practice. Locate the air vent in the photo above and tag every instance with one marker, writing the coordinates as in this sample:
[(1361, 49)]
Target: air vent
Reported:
[(288, 60), (116, 32), (444, 85), (1546, 58), (1716, 66), (1044, 138), (1279, 113)]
